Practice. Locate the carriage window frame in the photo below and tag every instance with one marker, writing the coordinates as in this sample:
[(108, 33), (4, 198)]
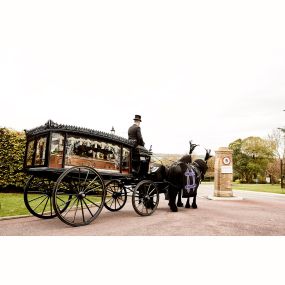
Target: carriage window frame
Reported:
[(35, 141), (61, 152), (31, 150), (126, 156), (40, 151)]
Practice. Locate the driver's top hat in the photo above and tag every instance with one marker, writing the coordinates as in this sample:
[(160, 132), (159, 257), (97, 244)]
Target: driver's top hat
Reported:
[(137, 118)]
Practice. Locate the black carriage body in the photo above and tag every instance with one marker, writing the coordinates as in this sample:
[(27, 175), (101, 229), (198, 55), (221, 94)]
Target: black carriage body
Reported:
[(69, 165), (52, 148)]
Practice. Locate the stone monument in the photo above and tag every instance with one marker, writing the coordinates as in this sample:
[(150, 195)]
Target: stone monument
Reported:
[(223, 172), (223, 175)]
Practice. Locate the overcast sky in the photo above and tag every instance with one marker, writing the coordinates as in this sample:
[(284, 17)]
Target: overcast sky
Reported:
[(207, 71)]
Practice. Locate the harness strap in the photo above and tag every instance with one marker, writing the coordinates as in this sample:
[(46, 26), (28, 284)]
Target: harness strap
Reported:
[(173, 185), (197, 171)]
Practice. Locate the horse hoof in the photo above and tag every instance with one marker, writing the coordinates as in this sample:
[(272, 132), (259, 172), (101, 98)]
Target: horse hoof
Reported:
[(194, 206), (179, 204), (174, 209), (187, 206)]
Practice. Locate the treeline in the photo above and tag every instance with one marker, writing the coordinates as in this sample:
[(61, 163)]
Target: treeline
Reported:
[(254, 159)]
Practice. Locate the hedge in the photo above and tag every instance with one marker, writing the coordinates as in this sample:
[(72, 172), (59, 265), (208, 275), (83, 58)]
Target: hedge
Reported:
[(12, 149)]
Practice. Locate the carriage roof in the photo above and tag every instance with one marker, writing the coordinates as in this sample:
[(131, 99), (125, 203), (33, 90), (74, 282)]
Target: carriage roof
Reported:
[(52, 126)]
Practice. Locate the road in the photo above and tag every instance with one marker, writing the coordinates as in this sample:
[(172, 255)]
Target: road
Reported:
[(258, 214)]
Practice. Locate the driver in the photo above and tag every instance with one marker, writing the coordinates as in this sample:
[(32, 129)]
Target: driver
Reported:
[(134, 132)]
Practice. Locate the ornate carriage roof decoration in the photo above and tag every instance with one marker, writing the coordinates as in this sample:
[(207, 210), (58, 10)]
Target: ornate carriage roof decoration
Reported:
[(52, 126)]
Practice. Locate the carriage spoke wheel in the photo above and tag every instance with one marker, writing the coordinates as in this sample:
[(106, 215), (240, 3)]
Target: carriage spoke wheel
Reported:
[(79, 196), (37, 197), (116, 196), (145, 198)]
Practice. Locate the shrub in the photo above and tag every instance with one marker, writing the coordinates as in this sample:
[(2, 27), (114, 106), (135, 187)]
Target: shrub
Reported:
[(12, 149)]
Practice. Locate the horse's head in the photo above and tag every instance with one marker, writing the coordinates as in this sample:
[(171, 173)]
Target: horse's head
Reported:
[(202, 165)]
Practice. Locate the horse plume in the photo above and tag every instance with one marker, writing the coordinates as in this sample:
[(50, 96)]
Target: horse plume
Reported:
[(192, 147), (208, 154)]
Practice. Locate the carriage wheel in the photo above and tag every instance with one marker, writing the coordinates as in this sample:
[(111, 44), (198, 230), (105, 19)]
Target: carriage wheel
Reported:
[(145, 198), (37, 197), (116, 196), (79, 196)]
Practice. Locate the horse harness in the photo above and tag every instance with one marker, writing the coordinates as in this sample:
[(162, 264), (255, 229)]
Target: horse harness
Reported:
[(191, 178)]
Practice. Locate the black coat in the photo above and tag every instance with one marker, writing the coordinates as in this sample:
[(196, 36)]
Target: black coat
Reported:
[(134, 133)]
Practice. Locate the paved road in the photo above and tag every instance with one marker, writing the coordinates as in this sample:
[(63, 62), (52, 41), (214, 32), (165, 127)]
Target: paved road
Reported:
[(258, 214)]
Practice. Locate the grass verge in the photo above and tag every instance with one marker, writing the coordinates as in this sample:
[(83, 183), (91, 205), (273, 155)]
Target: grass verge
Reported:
[(276, 188), (12, 204)]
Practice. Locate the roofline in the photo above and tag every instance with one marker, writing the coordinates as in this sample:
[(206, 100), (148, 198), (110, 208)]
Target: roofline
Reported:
[(52, 126)]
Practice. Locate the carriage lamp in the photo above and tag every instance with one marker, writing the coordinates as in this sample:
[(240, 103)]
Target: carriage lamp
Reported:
[(112, 131)]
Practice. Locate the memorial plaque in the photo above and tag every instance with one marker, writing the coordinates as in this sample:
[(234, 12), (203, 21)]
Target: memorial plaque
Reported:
[(226, 169)]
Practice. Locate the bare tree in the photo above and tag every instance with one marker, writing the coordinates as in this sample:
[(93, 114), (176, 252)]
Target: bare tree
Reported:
[(276, 169), (278, 138)]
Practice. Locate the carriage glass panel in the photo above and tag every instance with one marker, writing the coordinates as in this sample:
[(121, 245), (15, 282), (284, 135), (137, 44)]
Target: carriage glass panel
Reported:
[(30, 153), (56, 150), (126, 160), (92, 152), (41, 146)]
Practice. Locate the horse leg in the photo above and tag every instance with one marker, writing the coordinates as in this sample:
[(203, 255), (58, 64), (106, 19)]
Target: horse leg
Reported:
[(194, 205), (172, 192), (179, 200), (187, 203)]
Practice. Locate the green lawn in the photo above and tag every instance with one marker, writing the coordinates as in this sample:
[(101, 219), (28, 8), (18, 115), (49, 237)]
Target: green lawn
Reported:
[(276, 188), (12, 205), (259, 188)]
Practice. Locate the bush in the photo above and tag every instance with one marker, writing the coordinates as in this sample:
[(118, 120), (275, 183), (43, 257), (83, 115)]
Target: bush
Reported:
[(12, 149)]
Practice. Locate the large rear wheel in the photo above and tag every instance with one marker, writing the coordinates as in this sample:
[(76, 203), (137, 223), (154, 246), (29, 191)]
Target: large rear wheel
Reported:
[(37, 197), (79, 196)]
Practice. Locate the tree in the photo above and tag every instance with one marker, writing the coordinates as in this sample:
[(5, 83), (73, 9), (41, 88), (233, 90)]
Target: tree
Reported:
[(274, 169), (240, 160), (251, 157), (277, 137)]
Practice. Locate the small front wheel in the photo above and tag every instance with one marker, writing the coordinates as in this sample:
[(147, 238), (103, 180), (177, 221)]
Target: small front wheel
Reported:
[(145, 198), (116, 195)]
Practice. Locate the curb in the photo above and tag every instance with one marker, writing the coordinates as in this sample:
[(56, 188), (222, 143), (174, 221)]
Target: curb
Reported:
[(14, 217), (233, 198)]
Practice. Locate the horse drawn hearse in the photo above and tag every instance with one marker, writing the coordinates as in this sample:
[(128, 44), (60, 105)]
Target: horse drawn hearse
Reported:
[(75, 172)]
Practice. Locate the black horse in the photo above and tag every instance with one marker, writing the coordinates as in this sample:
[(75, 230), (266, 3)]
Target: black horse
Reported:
[(184, 177)]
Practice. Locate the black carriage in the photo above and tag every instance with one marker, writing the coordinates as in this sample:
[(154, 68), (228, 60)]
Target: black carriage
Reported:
[(75, 172)]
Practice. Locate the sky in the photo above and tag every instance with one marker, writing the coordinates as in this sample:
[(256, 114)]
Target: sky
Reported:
[(206, 71)]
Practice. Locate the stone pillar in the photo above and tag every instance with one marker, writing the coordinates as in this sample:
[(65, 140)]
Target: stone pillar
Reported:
[(223, 172)]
